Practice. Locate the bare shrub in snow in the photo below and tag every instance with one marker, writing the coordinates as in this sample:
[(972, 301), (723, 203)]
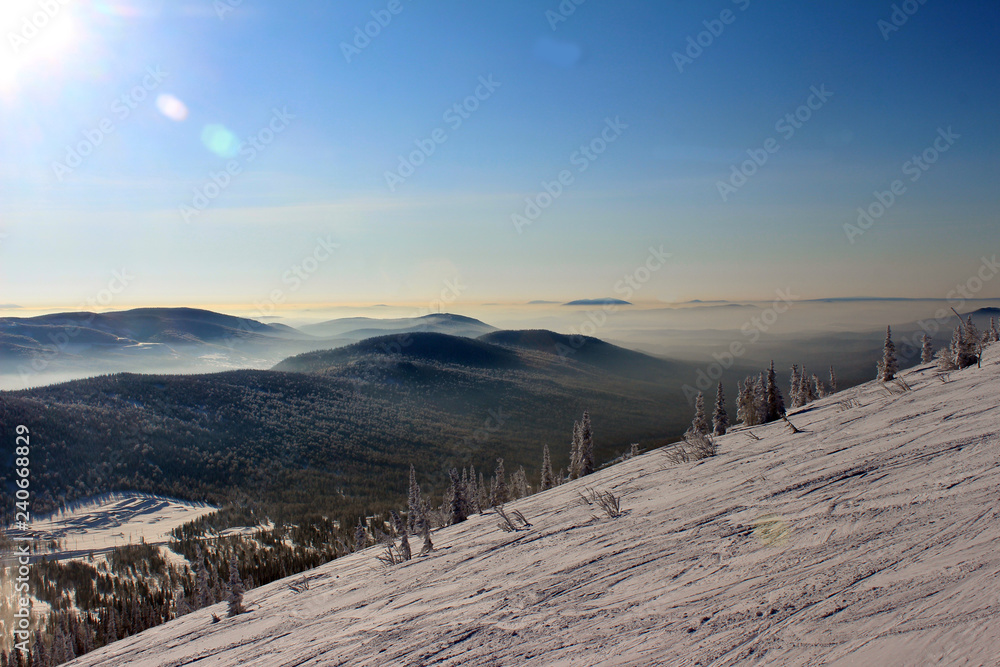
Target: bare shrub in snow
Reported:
[(510, 523), (607, 501), (694, 447)]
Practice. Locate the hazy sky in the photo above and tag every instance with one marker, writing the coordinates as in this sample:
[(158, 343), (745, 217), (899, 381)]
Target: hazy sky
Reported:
[(116, 115)]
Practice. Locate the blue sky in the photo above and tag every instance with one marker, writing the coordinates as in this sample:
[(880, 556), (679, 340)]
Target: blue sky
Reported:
[(322, 179)]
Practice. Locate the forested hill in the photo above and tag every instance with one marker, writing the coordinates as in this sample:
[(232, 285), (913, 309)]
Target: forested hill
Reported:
[(337, 441)]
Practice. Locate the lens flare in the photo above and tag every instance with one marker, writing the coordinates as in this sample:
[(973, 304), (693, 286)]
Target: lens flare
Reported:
[(171, 107), (220, 140)]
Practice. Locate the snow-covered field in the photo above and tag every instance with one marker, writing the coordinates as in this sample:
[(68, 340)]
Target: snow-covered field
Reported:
[(871, 538), (103, 523)]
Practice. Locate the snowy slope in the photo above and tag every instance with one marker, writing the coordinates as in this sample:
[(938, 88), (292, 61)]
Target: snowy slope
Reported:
[(871, 538)]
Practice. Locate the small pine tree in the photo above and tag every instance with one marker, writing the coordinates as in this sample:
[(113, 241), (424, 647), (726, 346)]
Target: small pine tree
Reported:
[(425, 529), (500, 492), (519, 486), (472, 493), (926, 349), (413, 501), (888, 366), (546, 481), (459, 510), (586, 445), (574, 452), (235, 588), (972, 334), (202, 588), (833, 381), (720, 418), (775, 402), (760, 398), (795, 388), (820, 389), (484, 493), (700, 423), (746, 410)]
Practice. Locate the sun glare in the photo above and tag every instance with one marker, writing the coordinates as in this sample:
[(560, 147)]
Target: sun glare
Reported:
[(37, 38)]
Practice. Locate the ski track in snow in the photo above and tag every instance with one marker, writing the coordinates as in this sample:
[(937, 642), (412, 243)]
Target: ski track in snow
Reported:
[(871, 538)]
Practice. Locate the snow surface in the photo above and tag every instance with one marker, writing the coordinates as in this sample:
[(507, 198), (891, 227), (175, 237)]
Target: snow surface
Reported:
[(100, 524), (871, 538)]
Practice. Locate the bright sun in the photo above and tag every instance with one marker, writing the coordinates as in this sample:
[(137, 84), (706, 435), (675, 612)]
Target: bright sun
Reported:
[(35, 35)]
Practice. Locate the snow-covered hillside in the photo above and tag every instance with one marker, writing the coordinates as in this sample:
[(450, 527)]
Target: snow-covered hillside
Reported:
[(98, 525), (871, 538)]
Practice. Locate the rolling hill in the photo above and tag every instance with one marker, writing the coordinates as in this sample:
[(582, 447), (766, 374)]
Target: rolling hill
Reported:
[(336, 431), (359, 328)]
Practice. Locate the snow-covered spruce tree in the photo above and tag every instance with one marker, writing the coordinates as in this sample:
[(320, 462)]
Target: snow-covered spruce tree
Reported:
[(795, 388), (484, 494), (946, 356), (926, 349), (425, 528), (833, 381), (809, 388), (459, 508), (700, 423), (806, 392), (519, 484), (966, 349), (820, 387), (574, 452), (972, 334), (586, 445), (746, 409), (235, 588), (500, 492), (720, 418), (546, 481), (888, 366), (472, 493), (203, 591), (760, 398), (775, 402), (994, 333), (413, 501)]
